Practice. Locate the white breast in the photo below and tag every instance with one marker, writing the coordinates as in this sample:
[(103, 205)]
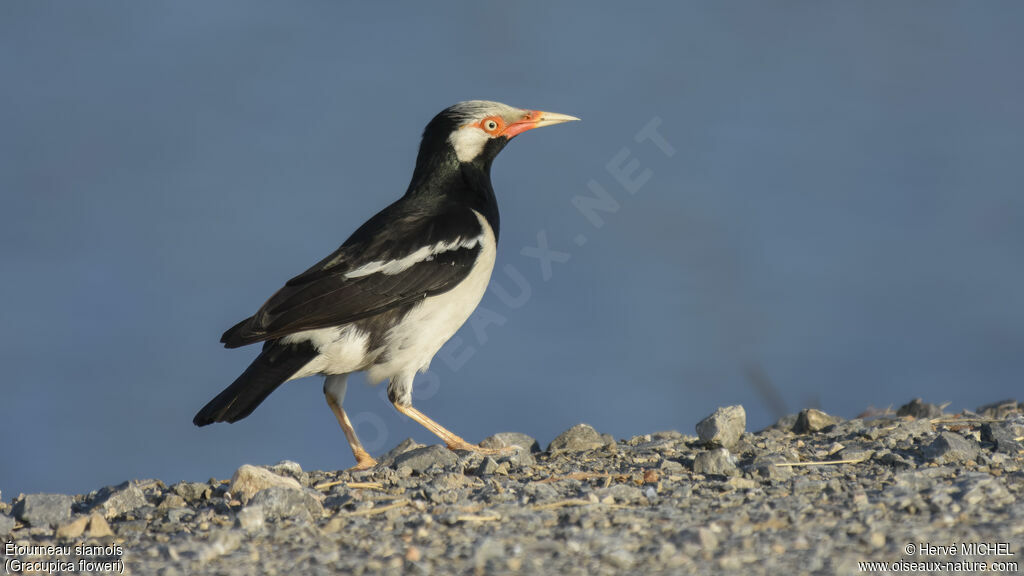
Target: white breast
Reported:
[(413, 342)]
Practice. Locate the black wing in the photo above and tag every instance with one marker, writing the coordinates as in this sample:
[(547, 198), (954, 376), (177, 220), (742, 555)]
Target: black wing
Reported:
[(329, 294)]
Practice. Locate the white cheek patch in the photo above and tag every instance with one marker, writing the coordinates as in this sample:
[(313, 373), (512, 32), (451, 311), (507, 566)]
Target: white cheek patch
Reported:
[(468, 142)]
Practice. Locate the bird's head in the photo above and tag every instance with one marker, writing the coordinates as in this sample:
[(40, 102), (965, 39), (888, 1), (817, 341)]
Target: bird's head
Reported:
[(476, 130)]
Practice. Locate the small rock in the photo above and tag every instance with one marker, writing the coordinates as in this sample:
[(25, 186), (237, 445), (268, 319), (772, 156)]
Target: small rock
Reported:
[(43, 509), (250, 518), (717, 461), (419, 459), (176, 515), (130, 528), (804, 485), (487, 549), (222, 543), (723, 427), (1000, 409), (976, 487), (622, 494), (1003, 437), (487, 467), (812, 420), (765, 467), (172, 500), (114, 501), (917, 408), (249, 479), (192, 491), (388, 459), (540, 492), (288, 468), (620, 558), (741, 483), (950, 447), (858, 452), (6, 524), (579, 438), (95, 523), (98, 527), (280, 502), (703, 537), (73, 529), (508, 439)]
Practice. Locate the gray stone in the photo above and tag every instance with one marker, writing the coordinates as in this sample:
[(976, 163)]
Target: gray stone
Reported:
[(176, 515), (701, 538), (765, 467), (914, 429), (250, 518), (388, 458), (950, 447), (855, 452), (487, 467), (192, 491), (130, 528), (487, 549), (974, 488), (812, 420), (540, 492), (249, 479), (224, 542), (1002, 435), (288, 468), (6, 524), (508, 439), (172, 500), (97, 527), (579, 438), (43, 509), (419, 459), (716, 461), (1000, 409), (114, 501), (620, 558), (622, 494), (279, 502), (917, 408), (723, 427)]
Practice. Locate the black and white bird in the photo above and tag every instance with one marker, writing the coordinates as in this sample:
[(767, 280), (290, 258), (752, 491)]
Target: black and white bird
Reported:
[(398, 288)]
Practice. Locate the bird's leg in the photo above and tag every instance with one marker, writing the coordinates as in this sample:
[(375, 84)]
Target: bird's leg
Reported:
[(334, 392), (401, 396)]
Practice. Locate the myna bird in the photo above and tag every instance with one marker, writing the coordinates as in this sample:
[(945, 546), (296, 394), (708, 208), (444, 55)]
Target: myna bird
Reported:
[(398, 288)]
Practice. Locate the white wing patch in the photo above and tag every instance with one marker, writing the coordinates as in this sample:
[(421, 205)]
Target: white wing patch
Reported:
[(423, 254)]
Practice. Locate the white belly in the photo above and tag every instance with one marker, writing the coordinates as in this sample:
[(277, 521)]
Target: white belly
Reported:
[(412, 343)]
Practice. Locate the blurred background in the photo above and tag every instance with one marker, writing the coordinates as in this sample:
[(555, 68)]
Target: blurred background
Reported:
[(832, 216)]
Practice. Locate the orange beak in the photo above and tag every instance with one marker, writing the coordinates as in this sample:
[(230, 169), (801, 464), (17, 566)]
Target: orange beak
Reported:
[(536, 119)]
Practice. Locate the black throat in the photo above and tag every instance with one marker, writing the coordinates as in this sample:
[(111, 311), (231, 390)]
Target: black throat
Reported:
[(440, 179)]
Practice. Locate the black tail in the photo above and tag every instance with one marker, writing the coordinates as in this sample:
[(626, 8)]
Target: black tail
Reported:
[(275, 365)]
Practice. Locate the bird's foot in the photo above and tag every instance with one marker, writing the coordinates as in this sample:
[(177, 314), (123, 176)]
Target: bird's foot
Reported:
[(363, 460)]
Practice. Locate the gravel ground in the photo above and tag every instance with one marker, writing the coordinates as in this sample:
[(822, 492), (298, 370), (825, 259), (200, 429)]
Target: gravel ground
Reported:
[(725, 500)]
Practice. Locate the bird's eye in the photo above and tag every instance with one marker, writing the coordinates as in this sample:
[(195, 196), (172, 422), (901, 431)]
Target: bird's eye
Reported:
[(491, 125)]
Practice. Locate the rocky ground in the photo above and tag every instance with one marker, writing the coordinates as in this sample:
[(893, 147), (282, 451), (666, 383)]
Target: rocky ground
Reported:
[(811, 494)]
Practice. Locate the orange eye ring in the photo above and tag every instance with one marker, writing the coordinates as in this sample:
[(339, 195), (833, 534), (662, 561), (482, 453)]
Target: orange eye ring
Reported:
[(493, 125)]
